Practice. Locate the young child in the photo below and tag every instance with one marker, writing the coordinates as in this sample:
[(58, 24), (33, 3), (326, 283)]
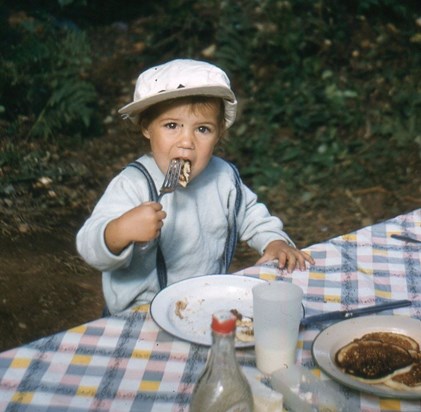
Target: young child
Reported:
[(183, 108)]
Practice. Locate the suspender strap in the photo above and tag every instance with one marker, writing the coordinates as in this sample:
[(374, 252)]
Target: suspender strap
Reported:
[(232, 231), (153, 194), (161, 267)]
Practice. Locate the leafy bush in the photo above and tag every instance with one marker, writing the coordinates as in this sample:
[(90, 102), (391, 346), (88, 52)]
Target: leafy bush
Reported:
[(44, 79), (327, 90)]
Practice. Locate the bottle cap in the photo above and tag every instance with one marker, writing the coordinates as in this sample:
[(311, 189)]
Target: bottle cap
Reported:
[(223, 321)]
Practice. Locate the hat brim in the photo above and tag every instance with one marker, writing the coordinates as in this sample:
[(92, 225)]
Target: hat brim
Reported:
[(134, 109)]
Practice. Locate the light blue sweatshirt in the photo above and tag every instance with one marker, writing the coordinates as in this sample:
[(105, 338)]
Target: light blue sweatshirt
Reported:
[(193, 236)]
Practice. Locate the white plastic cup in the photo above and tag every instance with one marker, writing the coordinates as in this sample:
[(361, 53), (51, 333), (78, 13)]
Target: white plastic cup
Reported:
[(277, 312)]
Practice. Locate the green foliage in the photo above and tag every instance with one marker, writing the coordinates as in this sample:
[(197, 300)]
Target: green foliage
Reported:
[(44, 81), (327, 89), (185, 27), (64, 3), (386, 6)]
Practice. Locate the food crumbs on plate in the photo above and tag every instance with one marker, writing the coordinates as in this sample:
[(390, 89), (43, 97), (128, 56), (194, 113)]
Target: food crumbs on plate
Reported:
[(180, 305)]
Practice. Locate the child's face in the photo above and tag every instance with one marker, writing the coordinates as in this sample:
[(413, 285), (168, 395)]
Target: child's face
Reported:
[(187, 132)]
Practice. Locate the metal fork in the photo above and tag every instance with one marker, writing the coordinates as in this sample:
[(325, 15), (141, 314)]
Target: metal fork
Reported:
[(171, 178)]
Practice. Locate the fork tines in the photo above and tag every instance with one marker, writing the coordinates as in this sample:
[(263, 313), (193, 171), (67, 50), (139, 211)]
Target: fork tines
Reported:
[(172, 176)]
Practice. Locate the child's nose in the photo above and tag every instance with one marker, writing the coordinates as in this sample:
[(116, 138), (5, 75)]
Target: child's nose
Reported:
[(186, 138)]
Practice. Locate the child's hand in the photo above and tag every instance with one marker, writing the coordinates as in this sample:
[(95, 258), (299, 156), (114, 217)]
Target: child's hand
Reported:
[(140, 224), (288, 257)]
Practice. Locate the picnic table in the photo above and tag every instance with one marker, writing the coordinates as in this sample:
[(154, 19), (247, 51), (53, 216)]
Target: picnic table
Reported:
[(128, 363)]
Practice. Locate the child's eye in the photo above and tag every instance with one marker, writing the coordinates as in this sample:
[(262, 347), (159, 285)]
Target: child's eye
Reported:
[(170, 125), (204, 129)]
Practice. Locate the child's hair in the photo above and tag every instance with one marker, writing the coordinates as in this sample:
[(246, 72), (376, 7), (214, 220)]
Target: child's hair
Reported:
[(197, 103)]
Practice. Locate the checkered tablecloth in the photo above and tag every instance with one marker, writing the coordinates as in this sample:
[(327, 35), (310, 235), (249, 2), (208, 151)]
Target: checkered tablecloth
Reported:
[(127, 363)]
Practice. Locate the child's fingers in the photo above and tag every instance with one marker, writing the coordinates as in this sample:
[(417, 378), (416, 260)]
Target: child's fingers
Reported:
[(292, 262), (308, 257)]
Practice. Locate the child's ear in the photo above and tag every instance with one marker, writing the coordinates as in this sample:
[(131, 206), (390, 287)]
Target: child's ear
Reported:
[(145, 132)]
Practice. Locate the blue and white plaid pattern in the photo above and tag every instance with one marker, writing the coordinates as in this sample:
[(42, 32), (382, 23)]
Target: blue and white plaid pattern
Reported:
[(127, 363)]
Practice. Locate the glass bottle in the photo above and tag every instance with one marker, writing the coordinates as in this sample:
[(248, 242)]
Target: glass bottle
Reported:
[(222, 386)]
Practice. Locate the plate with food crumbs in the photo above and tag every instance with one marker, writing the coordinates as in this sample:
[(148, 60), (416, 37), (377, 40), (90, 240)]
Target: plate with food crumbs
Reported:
[(379, 355), (184, 309)]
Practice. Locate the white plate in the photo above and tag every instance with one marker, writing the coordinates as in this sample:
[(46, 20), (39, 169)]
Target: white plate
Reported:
[(331, 339), (204, 295)]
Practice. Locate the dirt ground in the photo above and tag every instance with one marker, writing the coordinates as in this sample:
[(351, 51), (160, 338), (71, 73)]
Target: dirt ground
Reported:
[(46, 288)]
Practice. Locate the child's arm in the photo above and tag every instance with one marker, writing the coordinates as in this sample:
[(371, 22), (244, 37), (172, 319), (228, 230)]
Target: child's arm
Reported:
[(288, 257), (138, 225)]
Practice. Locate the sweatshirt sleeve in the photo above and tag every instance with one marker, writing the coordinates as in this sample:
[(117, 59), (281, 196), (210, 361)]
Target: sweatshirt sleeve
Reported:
[(256, 225), (123, 193)]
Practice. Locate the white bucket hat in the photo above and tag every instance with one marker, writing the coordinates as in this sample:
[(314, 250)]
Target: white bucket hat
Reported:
[(179, 78)]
